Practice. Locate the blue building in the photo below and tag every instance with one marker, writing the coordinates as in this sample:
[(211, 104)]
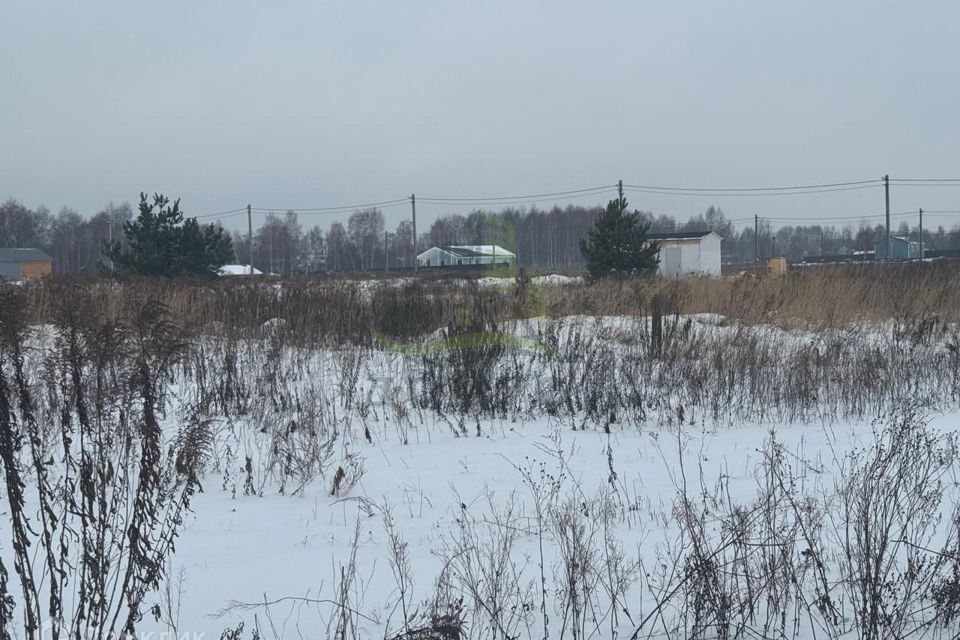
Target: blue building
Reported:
[(900, 249)]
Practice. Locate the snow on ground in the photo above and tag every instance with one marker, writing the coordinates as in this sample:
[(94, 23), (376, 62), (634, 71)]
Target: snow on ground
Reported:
[(251, 549), (553, 279), (450, 478), (550, 280)]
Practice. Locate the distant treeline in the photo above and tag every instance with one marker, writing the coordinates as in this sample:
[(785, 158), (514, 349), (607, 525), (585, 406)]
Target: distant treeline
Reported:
[(547, 239)]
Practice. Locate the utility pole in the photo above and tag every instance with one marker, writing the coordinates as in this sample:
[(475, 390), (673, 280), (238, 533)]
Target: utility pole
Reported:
[(110, 233), (413, 206), (756, 239), (886, 195), (921, 235), (250, 239), (386, 258)]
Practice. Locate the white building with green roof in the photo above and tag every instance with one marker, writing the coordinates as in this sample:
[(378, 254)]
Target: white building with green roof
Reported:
[(466, 255)]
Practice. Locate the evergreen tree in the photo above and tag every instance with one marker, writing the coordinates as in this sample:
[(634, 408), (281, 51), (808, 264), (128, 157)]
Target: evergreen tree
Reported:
[(617, 243), (162, 243)]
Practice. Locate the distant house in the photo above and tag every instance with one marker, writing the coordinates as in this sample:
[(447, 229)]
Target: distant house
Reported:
[(237, 270), (900, 248), (462, 255), (688, 252), (24, 264)]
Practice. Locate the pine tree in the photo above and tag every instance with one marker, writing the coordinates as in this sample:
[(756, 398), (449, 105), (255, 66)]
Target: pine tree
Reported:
[(162, 243), (617, 244)]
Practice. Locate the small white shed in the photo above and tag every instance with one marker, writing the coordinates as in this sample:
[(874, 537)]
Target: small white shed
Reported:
[(461, 255), (238, 270), (688, 253)]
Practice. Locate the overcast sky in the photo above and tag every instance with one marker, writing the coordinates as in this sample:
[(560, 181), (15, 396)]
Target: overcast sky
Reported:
[(314, 103)]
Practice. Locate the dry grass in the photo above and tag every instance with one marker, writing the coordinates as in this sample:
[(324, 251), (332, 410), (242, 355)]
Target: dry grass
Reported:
[(340, 310), (831, 295)]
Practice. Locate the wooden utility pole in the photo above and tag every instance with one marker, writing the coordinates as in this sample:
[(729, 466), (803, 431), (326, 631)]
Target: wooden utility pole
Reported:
[(413, 206), (250, 239), (110, 232), (886, 195), (386, 259), (756, 239), (921, 235)]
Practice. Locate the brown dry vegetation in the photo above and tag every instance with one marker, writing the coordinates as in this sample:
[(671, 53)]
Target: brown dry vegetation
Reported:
[(832, 295), (337, 310)]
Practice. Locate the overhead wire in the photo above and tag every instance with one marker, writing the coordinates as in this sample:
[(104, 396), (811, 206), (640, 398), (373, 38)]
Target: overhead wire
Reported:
[(826, 218), (862, 183), (337, 209), (925, 185), (501, 199), (499, 203), (680, 191), (222, 214), (741, 194)]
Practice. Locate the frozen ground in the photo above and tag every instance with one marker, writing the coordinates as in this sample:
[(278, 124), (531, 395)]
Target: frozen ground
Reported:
[(252, 549), (438, 508)]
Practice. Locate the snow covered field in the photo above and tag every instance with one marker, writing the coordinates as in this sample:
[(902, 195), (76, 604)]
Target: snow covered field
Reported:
[(717, 481), (290, 551)]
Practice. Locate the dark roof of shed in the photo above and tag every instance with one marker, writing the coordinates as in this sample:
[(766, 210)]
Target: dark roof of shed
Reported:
[(23, 255), (678, 235)]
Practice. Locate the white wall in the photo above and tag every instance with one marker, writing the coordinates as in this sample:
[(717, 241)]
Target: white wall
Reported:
[(433, 257), (690, 260), (710, 255), (697, 256)]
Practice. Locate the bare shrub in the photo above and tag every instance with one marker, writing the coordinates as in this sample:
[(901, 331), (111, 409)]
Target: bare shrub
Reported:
[(875, 557), (479, 563), (889, 527), (577, 574), (399, 557), (441, 618), (110, 492)]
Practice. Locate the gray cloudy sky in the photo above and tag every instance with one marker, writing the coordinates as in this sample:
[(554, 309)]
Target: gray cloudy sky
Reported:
[(315, 103)]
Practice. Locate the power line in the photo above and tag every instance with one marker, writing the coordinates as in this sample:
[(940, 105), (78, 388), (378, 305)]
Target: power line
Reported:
[(514, 203), (925, 185), (743, 194), (338, 209), (508, 199), (852, 218), (222, 214), (789, 190), (758, 189)]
